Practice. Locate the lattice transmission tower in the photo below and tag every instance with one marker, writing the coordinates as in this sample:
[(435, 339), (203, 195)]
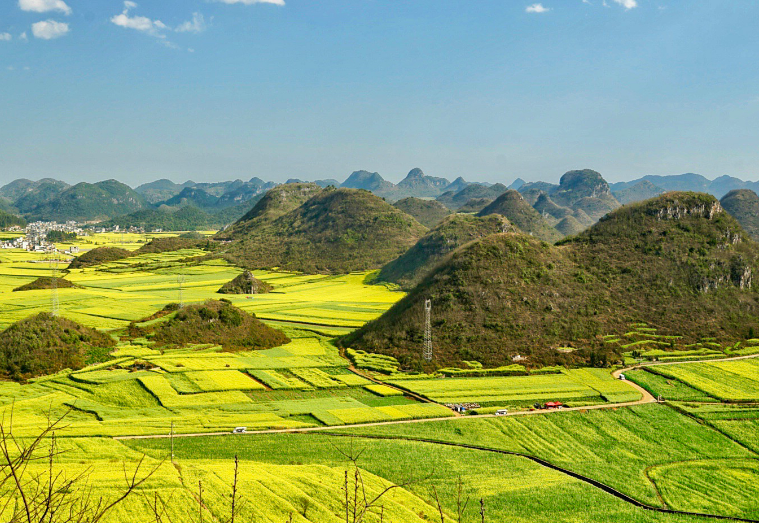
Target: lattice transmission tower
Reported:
[(180, 281), (427, 330)]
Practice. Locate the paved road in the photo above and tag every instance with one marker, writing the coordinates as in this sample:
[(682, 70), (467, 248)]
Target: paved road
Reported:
[(647, 398)]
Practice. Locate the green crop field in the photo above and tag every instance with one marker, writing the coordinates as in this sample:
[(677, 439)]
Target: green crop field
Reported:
[(581, 386), (513, 489), (727, 380), (667, 388), (692, 455), (200, 390), (330, 304), (616, 447), (726, 487)]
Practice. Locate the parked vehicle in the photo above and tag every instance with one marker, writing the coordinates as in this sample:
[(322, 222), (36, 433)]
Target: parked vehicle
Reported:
[(240, 430)]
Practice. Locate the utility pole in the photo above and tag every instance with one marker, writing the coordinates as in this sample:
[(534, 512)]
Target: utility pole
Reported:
[(172, 442), (427, 353)]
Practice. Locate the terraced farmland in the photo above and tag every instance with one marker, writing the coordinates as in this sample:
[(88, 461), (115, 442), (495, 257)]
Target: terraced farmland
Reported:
[(726, 380), (577, 386), (659, 455), (666, 388), (330, 304)]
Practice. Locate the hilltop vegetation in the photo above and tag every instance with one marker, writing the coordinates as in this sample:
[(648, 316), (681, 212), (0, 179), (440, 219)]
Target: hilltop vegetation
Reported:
[(678, 262), (275, 203), (89, 201), (513, 206), (427, 212), (215, 322), (475, 205), (245, 283), (569, 226), (743, 205), (413, 265), (335, 231), (27, 194), (38, 193), (174, 243), (46, 344), (46, 282), (98, 256)]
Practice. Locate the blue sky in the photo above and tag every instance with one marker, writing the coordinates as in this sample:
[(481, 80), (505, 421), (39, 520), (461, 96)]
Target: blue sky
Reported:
[(485, 89)]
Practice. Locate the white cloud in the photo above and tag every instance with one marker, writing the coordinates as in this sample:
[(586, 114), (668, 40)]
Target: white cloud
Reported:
[(251, 2), (196, 25), (49, 29), (139, 23), (23, 37), (536, 8), (5, 37), (627, 4), (44, 6)]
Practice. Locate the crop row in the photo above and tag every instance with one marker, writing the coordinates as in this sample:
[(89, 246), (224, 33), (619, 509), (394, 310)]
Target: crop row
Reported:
[(728, 381)]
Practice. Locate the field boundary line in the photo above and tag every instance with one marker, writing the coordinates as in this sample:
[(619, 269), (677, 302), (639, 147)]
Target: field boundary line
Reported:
[(540, 461), (658, 363), (646, 399), (391, 422)]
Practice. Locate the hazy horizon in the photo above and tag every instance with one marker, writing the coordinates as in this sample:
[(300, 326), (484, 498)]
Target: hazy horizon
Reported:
[(340, 179), (491, 91)]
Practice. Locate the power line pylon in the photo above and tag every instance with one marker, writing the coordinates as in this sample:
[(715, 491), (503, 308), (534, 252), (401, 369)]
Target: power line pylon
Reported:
[(427, 330), (180, 281)]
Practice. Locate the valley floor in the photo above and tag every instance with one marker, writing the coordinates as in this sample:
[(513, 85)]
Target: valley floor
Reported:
[(307, 408)]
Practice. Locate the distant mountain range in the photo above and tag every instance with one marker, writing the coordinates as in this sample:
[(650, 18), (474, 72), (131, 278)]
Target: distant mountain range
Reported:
[(691, 182), (579, 199)]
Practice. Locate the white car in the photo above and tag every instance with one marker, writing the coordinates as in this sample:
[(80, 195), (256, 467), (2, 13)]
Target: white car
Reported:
[(240, 430), (501, 412)]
